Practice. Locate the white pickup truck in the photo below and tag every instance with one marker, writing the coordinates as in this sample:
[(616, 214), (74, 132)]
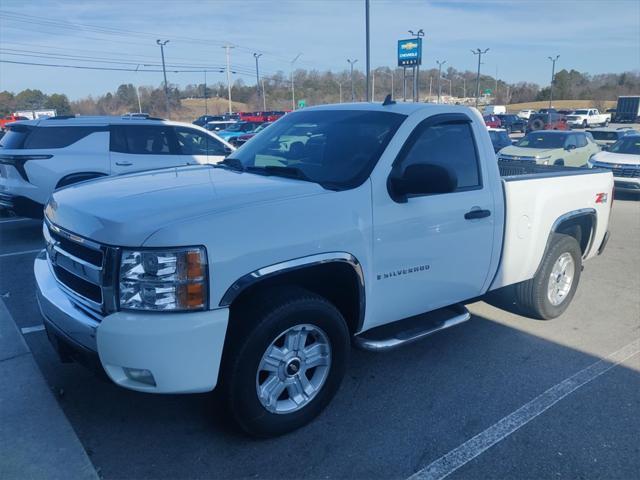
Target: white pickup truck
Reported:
[(370, 223), (588, 117)]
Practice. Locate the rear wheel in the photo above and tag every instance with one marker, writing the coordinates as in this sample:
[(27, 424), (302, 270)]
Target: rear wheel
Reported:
[(549, 293), (287, 364)]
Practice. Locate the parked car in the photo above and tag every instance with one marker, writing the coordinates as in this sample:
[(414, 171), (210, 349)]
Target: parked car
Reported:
[(242, 139), (492, 121), (547, 121), (204, 119), (623, 159), (237, 129), (571, 149), (565, 112), (547, 110), (628, 109), (499, 138), (10, 119), (219, 125), (257, 273), (526, 113), (39, 156), (587, 117), (494, 110), (605, 137), (512, 123)]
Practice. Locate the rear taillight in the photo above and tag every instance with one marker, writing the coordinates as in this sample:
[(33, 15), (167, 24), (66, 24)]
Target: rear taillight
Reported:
[(18, 162)]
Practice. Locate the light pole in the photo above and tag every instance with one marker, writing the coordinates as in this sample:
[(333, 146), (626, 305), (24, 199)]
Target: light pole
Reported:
[(368, 63), (227, 49), (553, 74), (293, 88), (416, 79), (257, 56), (478, 52), (391, 75), (206, 107), (164, 72), (440, 63), (340, 88), (264, 98), (353, 92)]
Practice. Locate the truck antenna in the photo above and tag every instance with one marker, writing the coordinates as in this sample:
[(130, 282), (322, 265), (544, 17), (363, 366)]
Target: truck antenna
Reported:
[(388, 101)]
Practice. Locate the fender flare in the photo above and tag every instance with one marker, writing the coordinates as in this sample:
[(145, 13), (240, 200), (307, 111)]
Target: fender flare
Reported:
[(270, 271)]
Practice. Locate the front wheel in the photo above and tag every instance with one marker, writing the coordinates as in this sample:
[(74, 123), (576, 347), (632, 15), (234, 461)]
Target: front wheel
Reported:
[(584, 124), (549, 293), (287, 364)]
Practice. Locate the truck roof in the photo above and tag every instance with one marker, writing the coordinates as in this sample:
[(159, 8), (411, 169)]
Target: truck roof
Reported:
[(404, 108), (97, 120)]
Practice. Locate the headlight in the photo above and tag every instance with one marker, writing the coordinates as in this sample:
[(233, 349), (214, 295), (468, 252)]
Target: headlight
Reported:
[(171, 279), (544, 160)]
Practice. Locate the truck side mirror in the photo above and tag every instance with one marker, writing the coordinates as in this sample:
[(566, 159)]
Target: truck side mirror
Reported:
[(421, 179), (570, 147)]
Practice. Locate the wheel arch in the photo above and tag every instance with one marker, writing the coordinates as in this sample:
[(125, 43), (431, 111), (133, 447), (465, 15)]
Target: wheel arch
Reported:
[(580, 224), (78, 177), (337, 276)]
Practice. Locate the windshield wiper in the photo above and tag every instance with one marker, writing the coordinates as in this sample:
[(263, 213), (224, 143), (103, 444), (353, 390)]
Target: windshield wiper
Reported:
[(290, 172), (230, 163)]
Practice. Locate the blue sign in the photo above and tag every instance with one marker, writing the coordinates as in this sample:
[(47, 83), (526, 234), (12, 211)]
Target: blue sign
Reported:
[(410, 52)]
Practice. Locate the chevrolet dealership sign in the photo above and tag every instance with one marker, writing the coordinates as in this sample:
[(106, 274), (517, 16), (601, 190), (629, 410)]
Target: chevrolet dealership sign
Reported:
[(410, 52)]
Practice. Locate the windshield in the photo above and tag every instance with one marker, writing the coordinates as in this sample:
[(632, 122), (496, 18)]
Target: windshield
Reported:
[(542, 140), (241, 127), (604, 135), (499, 137), (581, 112), (628, 145), (335, 148)]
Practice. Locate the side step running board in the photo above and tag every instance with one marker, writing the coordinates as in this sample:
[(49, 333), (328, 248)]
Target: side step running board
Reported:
[(403, 332)]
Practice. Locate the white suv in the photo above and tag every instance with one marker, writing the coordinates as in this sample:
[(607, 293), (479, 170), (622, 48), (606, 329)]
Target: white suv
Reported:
[(39, 156)]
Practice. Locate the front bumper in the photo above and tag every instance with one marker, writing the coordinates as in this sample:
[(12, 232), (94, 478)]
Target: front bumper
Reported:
[(181, 350), (21, 206)]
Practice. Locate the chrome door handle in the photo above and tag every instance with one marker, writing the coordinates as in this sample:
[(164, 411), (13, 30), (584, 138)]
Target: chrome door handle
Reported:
[(124, 164)]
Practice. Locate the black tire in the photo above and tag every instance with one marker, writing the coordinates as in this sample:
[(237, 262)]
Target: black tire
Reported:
[(532, 295), (537, 124), (264, 320), (584, 124), (559, 162), (508, 129)]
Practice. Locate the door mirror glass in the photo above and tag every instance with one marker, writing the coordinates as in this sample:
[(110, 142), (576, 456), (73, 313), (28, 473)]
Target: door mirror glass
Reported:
[(421, 179), (570, 147)]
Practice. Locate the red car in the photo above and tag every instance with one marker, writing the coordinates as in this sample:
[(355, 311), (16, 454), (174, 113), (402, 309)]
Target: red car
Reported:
[(10, 119), (492, 121), (547, 121)]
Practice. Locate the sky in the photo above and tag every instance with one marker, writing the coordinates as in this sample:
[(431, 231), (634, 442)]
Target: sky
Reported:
[(594, 36)]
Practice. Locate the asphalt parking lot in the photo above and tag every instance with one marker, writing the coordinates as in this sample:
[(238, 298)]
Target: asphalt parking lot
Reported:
[(397, 413)]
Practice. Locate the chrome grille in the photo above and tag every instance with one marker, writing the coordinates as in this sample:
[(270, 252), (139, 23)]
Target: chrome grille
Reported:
[(85, 270), (625, 171)]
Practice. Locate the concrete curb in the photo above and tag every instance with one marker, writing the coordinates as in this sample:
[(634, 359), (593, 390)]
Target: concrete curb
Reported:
[(36, 439)]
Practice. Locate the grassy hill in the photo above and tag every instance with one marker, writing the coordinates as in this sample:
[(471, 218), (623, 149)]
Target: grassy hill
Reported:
[(192, 108)]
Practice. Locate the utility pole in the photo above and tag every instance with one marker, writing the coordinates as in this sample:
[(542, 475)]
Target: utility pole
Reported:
[(478, 52), (264, 98), (553, 74), (340, 89), (430, 82), (206, 107), (257, 56), (293, 88), (367, 60), (391, 75), (373, 86), (416, 78), (164, 72), (440, 63), (227, 49), (353, 92), (464, 87)]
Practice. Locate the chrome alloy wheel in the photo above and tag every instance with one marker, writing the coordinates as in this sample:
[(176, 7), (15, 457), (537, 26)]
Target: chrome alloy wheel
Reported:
[(561, 279), (293, 369)]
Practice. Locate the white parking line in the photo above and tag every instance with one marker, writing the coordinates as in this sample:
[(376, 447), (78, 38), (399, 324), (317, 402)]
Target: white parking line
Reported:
[(19, 253), (36, 328), (456, 458)]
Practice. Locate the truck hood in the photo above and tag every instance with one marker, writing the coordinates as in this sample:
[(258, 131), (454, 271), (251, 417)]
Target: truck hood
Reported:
[(617, 158), (528, 152), (127, 209)]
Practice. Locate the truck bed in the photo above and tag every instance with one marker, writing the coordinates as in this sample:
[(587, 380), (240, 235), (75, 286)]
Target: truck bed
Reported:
[(536, 198), (524, 169)]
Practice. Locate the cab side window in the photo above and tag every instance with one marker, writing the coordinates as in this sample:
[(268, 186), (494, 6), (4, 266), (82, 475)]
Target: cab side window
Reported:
[(581, 140), (450, 145)]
